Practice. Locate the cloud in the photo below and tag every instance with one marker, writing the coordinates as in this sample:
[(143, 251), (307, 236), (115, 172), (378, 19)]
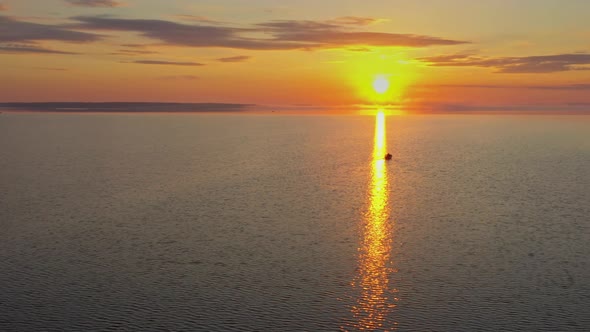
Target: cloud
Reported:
[(567, 87), (28, 48), (3, 7), (169, 63), (136, 46), (95, 3), (178, 34), (13, 30), (196, 18), (275, 35), (359, 49), (239, 58), (527, 64), (326, 34), (356, 20), (133, 52)]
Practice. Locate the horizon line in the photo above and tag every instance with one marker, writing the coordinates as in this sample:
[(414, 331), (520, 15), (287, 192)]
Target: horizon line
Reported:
[(203, 107)]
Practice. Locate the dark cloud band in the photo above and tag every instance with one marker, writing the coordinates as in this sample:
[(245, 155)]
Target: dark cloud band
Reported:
[(13, 30), (276, 35)]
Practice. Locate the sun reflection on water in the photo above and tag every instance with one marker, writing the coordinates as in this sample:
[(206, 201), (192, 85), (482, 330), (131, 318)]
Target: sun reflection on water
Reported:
[(372, 279)]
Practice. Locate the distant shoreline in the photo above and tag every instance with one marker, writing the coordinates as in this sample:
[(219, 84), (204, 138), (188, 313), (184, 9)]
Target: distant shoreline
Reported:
[(123, 107)]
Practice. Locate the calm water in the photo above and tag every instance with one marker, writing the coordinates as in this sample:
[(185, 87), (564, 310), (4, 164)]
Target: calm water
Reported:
[(288, 223)]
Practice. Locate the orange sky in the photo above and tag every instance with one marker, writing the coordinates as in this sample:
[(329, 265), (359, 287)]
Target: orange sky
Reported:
[(439, 55)]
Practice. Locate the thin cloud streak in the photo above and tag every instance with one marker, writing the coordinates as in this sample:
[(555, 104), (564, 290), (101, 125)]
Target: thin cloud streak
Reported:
[(133, 52), (527, 64), (20, 48), (575, 87), (168, 63), (356, 20), (196, 18), (94, 3), (239, 58)]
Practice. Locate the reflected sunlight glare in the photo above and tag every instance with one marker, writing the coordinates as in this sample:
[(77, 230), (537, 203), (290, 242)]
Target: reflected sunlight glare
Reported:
[(372, 280)]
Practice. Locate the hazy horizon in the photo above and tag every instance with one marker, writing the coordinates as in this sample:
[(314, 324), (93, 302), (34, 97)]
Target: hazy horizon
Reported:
[(174, 107)]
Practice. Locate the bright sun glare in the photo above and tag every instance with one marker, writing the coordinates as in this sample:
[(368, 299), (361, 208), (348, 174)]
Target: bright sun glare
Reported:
[(381, 84)]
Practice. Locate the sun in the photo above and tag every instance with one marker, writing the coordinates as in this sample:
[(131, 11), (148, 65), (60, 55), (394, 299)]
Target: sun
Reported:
[(381, 84)]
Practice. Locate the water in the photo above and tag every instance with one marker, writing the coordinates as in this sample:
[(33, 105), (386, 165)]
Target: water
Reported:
[(249, 222)]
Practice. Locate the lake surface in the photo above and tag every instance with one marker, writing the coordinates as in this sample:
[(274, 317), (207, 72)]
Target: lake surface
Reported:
[(244, 222)]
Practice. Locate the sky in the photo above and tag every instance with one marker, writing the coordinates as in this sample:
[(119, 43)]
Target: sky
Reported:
[(441, 55)]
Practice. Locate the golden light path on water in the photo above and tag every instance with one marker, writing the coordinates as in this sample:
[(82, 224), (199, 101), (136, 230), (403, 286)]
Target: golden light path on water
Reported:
[(375, 300)]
